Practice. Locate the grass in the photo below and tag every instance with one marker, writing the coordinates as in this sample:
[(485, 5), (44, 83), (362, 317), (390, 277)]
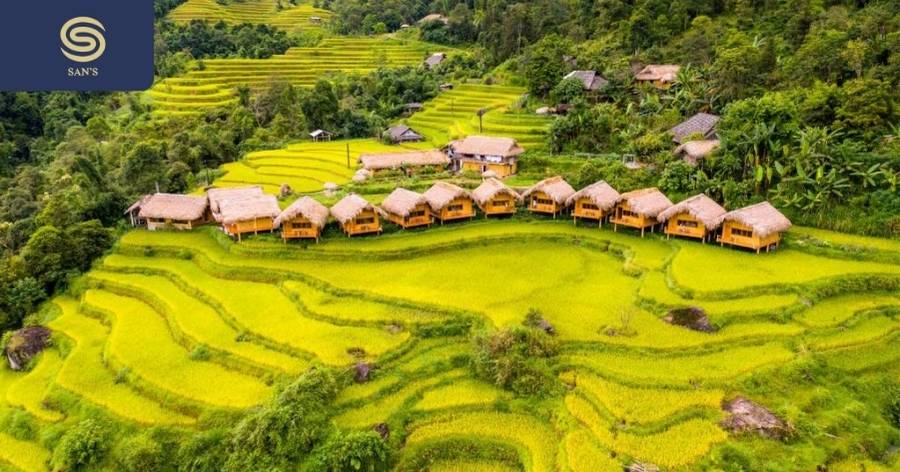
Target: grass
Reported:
[(200, 322), (453, 115), (837, 310), (140, 340), (290, 18), (584, 455), (863, 332), (264, 310), (644, 405), (306, 167), (844, 239), (714, 367), (867, 356), (23, 455), (346, 307), (470, 466), (466, 392), (737, 270), (30, 390), (212, 83), (84, 373), (526, 433)]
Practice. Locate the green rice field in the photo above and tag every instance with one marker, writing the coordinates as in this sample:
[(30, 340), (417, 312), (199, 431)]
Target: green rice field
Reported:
[(289, 17), (172, 327), (453, 115), (212, 83)]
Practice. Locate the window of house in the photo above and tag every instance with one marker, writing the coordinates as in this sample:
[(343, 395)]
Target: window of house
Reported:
[(741, 232), (687, 224), (629, 214), (302, 225), (589, 206), (499, 203), (543, 201), (416, 214), (365, 221), (455, 208)]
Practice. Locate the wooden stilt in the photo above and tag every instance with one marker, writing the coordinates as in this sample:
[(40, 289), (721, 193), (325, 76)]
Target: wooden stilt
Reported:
[(642, 232)]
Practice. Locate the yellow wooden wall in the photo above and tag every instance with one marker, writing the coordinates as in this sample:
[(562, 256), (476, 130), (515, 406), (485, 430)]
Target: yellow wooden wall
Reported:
[(290, 229), (501, 204), (354, 226), (586, 208), (467, 210), (751, 242), (549, 206), (414, 221), (674, 228)]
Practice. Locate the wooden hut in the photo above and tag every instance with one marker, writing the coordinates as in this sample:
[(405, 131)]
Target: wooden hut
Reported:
[(548, 196), (169, 211), (495, 198), (449, 202), (407, 209), (356, 216), (754, 227), (591, 81), (639, 209), (409, 160), (303, 219), (320, 135), (693, 152), (403, 134), (660, 75), (594, 202), (697, 217), (482, 153), (254, 214)]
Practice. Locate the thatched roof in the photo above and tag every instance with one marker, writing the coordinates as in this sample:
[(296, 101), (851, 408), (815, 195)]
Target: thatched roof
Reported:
[(245, 209), (170, 206), (350, 207), (600, 193), (487, 146), (434, 17), (590, 79), (555, 187), (307, 207), (402, 202), (660, 72), (693, 151), (701, 207), (703, 124), (136, 206), (646, 201), (442, 193), (395, 160), (216, 195), (764, 218), (400, 131), (490, 188)]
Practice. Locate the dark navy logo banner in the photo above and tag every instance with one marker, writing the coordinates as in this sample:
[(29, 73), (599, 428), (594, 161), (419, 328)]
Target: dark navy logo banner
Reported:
[(76, 45)]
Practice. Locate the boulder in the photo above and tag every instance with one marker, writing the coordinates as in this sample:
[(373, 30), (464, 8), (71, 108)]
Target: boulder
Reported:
[(383, 430), (362, 371), (24, 344), (547, 327), (748, 416), (691, 318), (286, 190)]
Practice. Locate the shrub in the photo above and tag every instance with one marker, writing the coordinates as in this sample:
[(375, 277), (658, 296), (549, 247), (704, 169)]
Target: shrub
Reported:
[(363, 451), (517, 359), (81, 446), (140, 453), (205, 452)]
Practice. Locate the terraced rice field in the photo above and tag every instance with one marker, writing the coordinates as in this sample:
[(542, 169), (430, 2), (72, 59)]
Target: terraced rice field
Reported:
[(173, 326), (212, 83), (306, 167), (453, 114), (287, 17)]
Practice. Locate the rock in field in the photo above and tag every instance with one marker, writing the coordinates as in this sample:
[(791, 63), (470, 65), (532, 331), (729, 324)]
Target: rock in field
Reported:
[(25, 344), (691, 318), (748, 416)]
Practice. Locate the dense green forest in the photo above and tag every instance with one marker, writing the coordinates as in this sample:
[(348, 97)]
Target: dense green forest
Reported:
[(806, 92)]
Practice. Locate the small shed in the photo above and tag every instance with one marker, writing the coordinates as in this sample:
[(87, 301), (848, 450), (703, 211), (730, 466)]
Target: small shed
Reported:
[(445, 87), (162, 211), (403, 134), (701, 124), (407, 209), (435, 60), (495, 198), (594, 202), (413, 107), (694, 151), (450, 202), (303, 219), (356, 216), (548, 196), (660, 75), (590, 79), (316, 20), (697, 217), (249, 215), (639, 209), (321, 135), (403, 160), (754, 227)]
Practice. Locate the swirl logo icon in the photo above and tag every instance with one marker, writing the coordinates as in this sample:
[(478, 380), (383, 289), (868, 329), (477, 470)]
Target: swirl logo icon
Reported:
[(82, 39)]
